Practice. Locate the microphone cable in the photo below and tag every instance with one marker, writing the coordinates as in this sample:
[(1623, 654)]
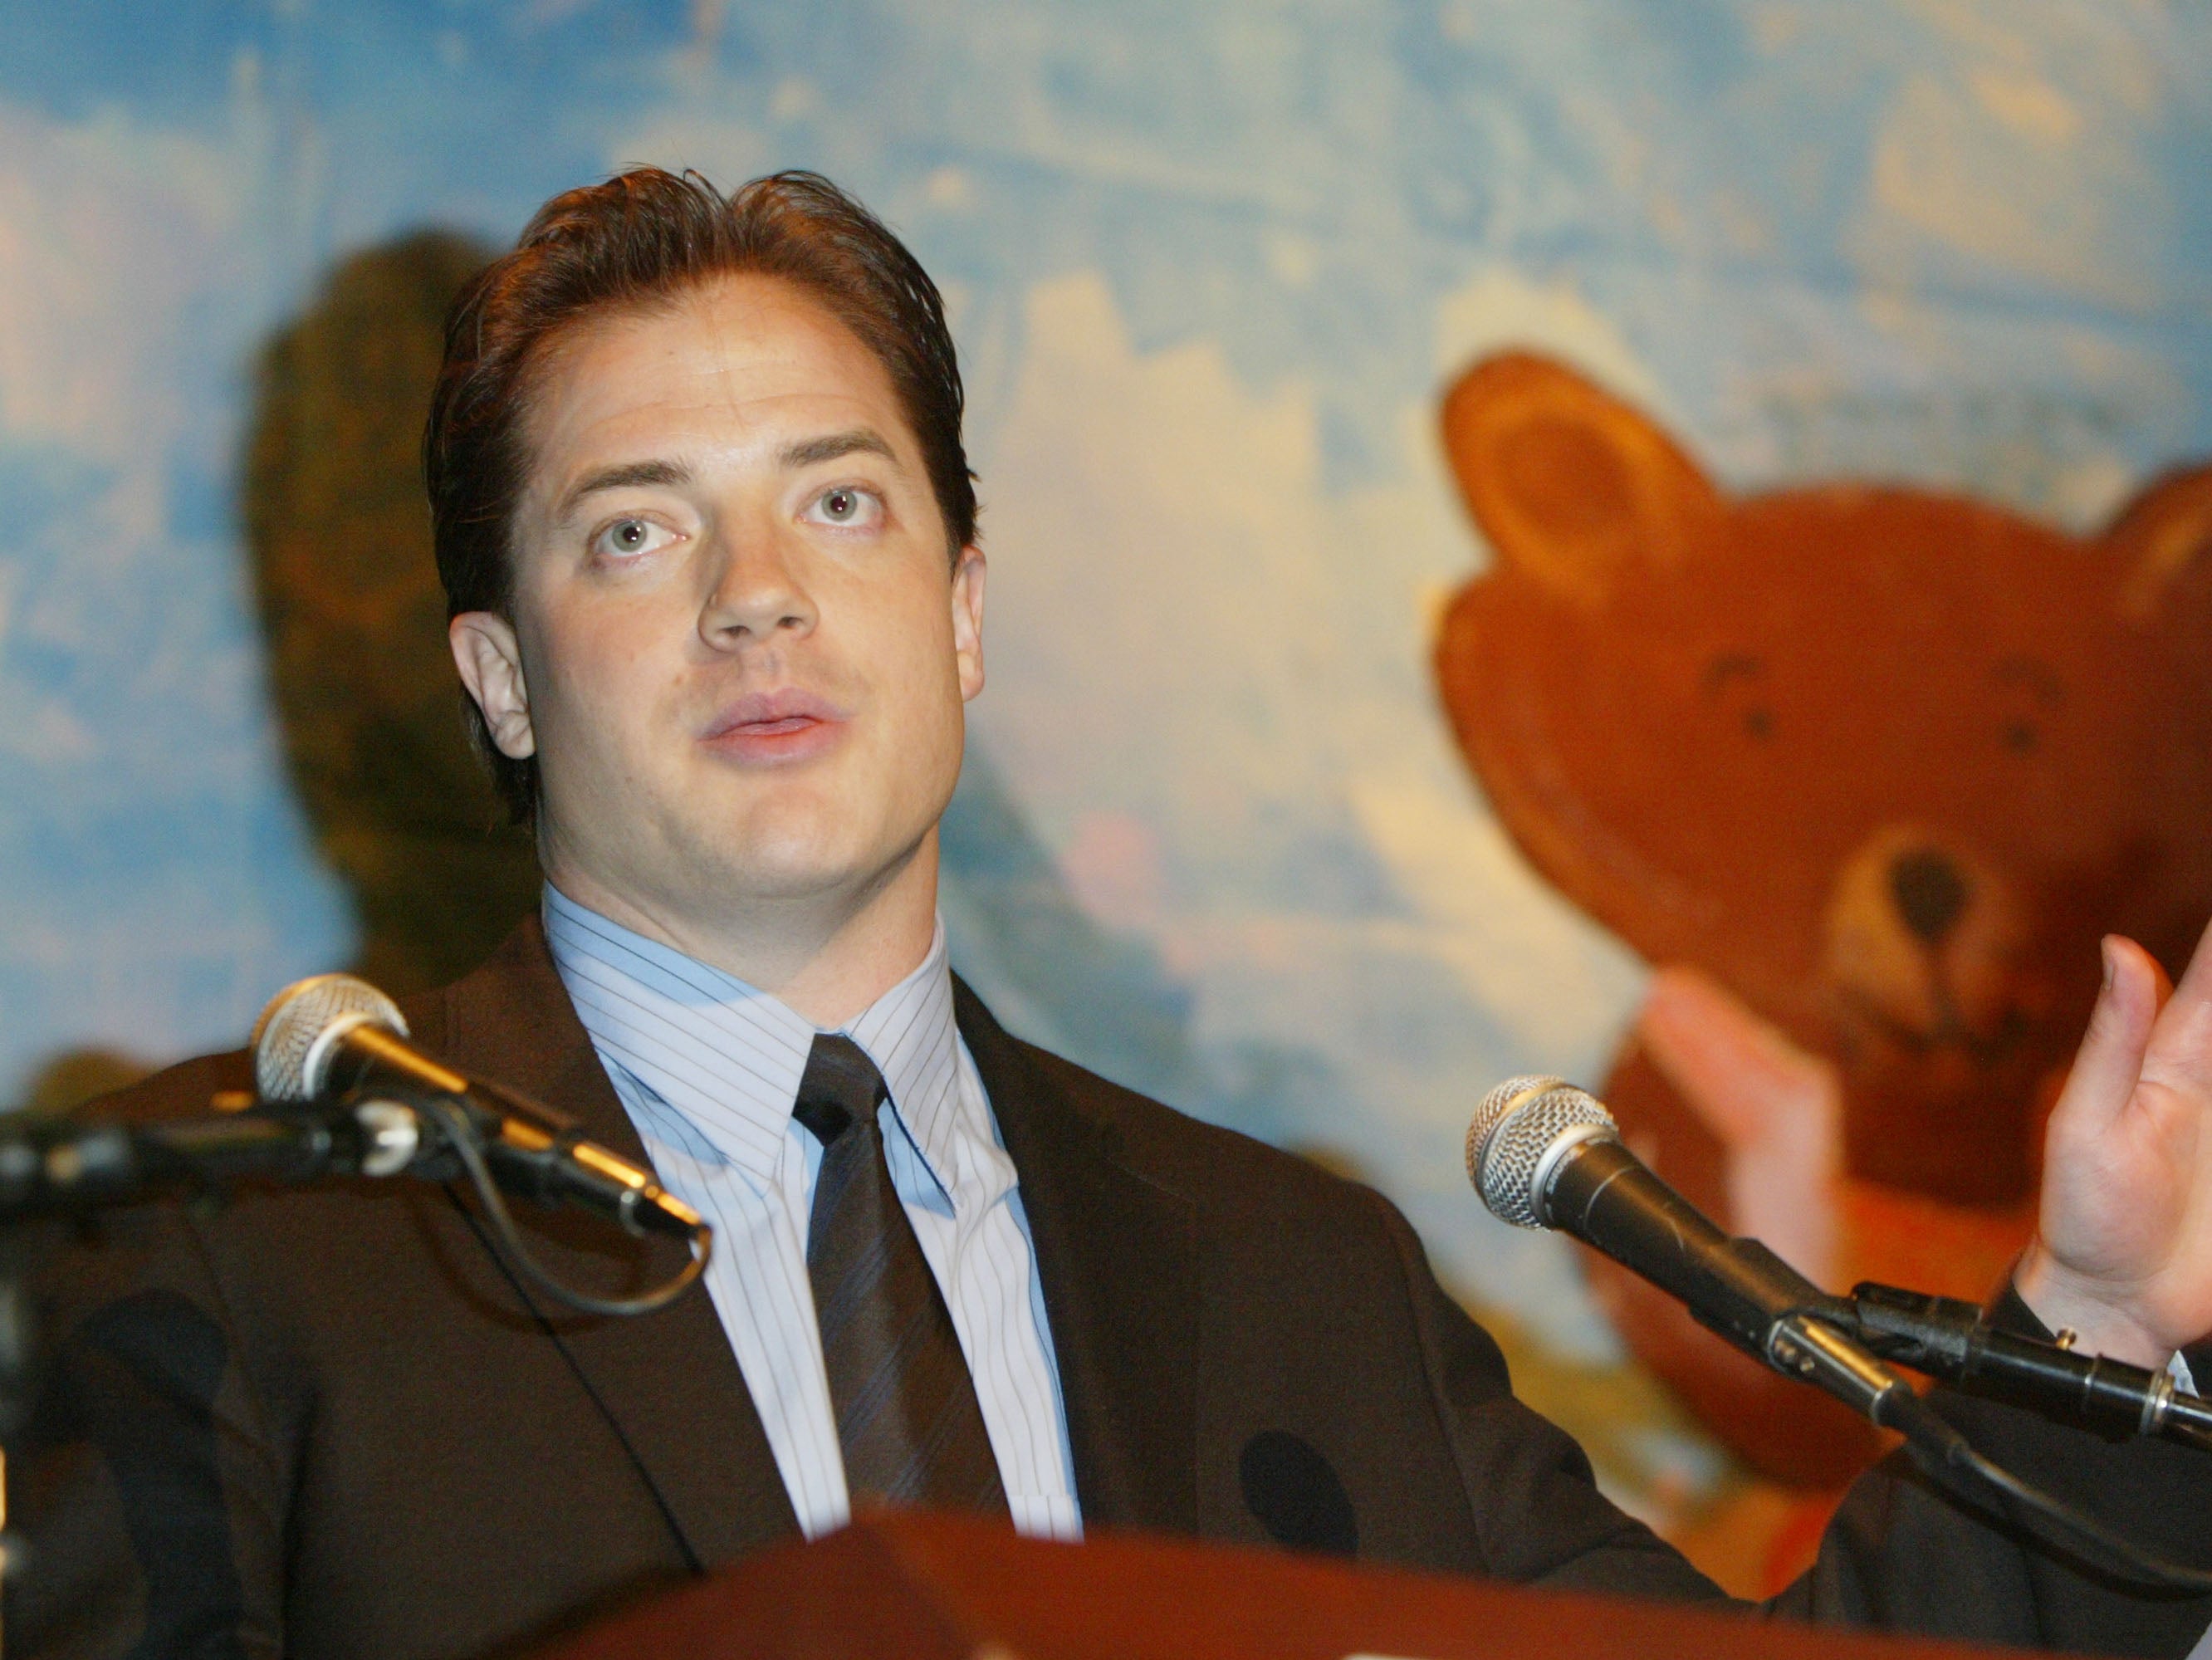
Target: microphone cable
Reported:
[(461, 1136), (1947, 1456)]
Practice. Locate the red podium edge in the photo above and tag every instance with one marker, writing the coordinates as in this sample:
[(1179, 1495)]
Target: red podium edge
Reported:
[(909, 1583)]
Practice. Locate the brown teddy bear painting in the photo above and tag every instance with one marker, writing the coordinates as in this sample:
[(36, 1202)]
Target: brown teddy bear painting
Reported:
[(1864, 772)]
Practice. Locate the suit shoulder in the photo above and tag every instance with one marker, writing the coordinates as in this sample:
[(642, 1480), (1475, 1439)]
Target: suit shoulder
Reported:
[(1205, 1162), (181, 1091)]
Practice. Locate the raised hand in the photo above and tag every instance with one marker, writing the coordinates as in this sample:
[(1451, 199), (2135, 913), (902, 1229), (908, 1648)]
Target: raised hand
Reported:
[(2123, 1251)]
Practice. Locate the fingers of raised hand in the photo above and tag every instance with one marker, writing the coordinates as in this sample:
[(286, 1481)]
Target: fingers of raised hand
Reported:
[(2180, 1053)]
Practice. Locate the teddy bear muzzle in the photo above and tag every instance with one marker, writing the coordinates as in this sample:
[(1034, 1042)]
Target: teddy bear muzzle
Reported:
[(1925, 951)]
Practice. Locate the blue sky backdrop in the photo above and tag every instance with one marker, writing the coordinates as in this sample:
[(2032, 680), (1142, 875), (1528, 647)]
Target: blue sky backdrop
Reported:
[(1209, 266)]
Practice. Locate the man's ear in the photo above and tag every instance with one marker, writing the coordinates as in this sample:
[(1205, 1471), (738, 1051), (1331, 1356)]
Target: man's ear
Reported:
[(490, 659), (2163, 537), (1570, 485), (968, 619)]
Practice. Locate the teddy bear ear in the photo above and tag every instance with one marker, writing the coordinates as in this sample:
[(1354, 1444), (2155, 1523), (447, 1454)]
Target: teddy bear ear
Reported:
[(1570, 485), (2163, 537)]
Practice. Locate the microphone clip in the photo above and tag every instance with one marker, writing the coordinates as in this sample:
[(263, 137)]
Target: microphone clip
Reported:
[(1810, 1347), (1955, 1341)]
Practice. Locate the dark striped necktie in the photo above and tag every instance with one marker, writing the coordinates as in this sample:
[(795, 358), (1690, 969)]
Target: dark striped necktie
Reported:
[(907, 1416)]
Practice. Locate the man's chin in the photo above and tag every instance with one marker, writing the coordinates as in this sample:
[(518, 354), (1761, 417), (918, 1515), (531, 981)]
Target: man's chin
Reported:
[(754, 864), (795, 865)]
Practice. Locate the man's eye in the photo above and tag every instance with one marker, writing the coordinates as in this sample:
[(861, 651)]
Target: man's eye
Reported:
[(847, 506), (625, 538)]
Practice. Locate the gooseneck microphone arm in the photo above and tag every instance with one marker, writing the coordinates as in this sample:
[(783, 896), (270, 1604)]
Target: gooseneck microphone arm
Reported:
[(50, 1166), (1954, 1341)]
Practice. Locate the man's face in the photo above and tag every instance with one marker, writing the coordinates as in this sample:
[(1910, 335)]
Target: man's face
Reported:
[(739, 650)]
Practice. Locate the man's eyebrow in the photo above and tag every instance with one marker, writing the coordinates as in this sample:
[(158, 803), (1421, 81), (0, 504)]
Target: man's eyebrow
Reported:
[(831, 446), (622, 476)]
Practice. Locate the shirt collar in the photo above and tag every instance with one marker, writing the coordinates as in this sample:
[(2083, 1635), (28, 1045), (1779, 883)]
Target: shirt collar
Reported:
[(726, 1057)]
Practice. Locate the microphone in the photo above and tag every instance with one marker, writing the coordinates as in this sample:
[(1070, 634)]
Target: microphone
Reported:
[(334, 1035), (1544, 1154)]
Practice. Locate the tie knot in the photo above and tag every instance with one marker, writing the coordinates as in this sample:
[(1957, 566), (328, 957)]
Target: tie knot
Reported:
[(841, 1084)]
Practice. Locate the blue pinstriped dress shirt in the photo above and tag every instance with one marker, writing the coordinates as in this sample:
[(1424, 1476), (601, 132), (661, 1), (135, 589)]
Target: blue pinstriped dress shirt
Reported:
[(707, 1068)]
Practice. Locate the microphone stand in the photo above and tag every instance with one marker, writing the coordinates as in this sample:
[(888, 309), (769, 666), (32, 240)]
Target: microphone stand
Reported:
[(18, 1353)]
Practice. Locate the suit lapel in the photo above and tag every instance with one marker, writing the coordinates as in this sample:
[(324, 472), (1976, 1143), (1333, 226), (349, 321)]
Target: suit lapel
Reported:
[(667, 1382), (1118, 1257)]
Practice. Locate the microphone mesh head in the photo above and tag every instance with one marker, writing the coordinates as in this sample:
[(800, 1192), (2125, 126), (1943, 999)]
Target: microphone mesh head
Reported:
[(289, 1057), (1517, 1123)]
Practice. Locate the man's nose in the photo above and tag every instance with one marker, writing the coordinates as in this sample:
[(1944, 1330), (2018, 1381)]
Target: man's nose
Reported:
[(756, 591)]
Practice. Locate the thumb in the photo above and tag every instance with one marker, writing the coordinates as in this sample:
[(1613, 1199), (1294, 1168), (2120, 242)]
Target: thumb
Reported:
[(2110, 1061)]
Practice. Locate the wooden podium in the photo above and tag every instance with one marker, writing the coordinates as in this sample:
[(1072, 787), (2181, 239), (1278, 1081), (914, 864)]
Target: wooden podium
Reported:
[(909, 1584)]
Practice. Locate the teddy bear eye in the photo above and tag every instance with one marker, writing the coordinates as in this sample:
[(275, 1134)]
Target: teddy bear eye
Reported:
[(2035, 692), (1737, 680)]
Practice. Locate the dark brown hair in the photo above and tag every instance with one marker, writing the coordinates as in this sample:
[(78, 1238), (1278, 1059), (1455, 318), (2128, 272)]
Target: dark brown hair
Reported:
[(641, 239)]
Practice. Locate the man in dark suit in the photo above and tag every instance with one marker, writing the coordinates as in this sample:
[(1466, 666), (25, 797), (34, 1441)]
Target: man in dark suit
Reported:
[(708, 536)]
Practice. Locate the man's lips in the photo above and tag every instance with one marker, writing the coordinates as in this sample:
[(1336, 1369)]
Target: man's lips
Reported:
[(776, 726)]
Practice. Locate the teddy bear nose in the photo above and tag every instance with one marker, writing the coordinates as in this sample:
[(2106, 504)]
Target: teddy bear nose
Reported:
[(1930, 893)]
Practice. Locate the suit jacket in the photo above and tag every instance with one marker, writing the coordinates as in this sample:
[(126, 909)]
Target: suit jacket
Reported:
[(332, 1422)]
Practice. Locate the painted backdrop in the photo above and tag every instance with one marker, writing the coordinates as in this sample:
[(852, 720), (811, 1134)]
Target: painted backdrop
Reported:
[(1211, 267)]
